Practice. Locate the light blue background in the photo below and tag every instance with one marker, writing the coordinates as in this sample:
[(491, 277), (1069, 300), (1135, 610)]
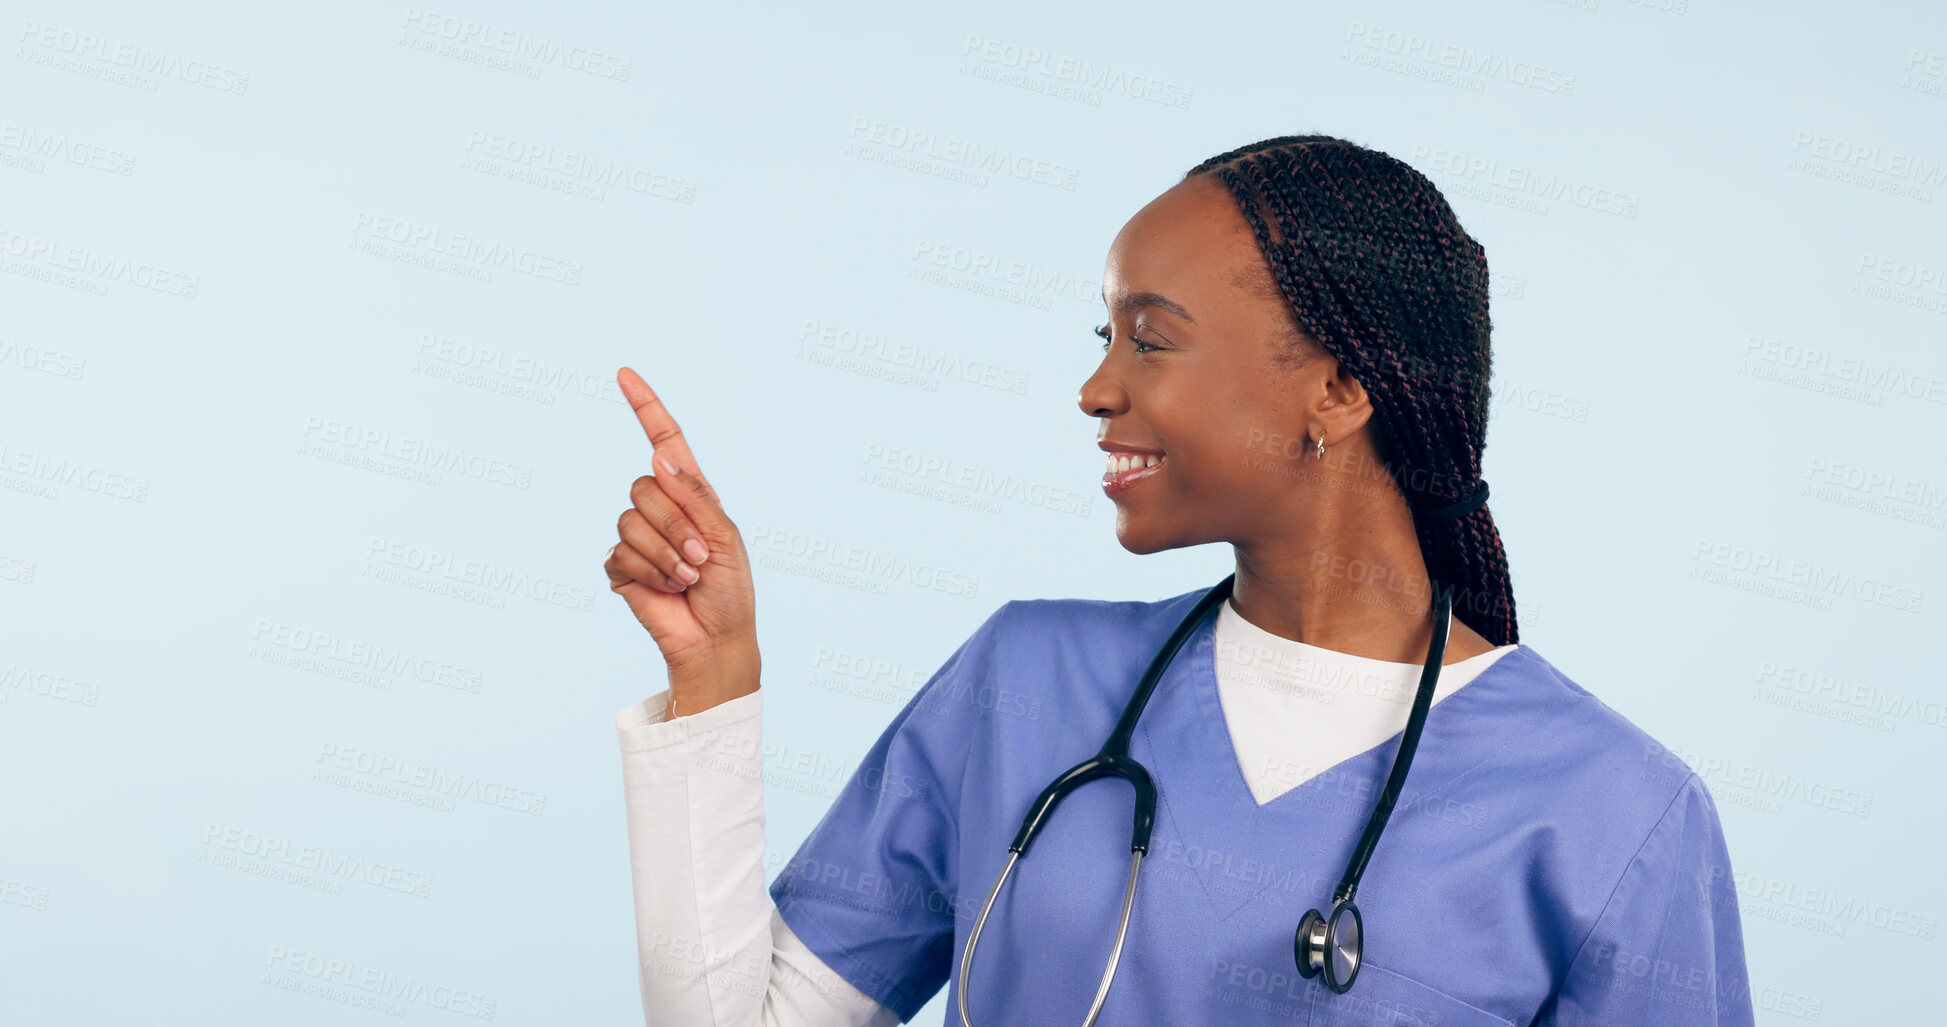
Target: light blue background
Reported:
[(1660, 446)]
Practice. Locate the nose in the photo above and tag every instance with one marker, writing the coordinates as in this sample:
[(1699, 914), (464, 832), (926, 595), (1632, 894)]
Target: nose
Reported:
[(1101, 395)]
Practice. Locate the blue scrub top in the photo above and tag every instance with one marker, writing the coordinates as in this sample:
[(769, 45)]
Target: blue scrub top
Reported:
[(1548, 862)]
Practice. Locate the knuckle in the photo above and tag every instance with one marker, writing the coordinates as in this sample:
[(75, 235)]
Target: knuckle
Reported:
[(666, 557), (673, 524), (643, 488)]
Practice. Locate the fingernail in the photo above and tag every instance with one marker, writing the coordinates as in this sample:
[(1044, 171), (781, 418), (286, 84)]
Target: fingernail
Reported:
[(665, 465), (687, 573), (696, 551)]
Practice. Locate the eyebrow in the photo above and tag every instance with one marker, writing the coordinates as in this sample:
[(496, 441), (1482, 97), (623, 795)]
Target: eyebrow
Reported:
[(1131, 300)]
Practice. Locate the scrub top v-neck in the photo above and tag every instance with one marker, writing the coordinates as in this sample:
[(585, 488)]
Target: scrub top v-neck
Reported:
[(1292, 709)]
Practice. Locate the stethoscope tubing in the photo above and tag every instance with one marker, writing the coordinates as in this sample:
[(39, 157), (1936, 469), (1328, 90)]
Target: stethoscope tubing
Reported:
[(1112, 760), (1409, 743)]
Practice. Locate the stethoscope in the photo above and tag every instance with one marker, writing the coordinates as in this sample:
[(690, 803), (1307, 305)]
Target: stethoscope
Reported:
[(1330, 945)]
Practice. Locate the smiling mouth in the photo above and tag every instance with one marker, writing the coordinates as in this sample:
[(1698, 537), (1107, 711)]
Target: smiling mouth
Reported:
[(1120, 462), (1125, 470)]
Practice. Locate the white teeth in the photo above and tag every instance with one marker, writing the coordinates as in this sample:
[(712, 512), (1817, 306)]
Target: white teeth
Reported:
[(1119, 463)]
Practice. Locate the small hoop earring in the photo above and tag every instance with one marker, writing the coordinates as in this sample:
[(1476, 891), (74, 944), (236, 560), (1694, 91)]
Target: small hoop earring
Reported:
[(1319, 451)]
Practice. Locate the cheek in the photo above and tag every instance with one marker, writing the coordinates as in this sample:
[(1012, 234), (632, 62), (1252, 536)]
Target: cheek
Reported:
[(1246, 463), (1258, 430), (1215, 466), (1224, 432)]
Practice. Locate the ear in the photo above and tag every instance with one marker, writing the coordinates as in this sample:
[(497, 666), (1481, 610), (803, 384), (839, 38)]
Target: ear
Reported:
[(1341, 407)]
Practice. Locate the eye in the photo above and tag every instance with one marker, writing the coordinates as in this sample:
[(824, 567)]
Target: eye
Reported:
[(1102, 331)]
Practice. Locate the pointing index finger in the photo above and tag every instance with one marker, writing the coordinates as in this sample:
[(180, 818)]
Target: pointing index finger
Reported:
[(664, 435)]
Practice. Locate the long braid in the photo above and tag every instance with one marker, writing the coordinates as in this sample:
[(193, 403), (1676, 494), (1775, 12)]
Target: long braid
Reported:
[(1376, 268)]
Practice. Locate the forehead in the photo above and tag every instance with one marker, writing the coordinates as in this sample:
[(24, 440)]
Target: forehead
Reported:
[(1189, 241)]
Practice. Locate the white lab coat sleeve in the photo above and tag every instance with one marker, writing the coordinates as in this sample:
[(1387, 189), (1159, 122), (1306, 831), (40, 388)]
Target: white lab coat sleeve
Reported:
[(1668, 948), (711, 947)]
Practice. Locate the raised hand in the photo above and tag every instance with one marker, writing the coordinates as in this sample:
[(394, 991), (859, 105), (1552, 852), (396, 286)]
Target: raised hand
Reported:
[(682, 568)]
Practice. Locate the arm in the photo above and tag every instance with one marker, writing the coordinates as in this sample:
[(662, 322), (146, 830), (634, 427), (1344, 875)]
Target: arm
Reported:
[(712, 948), (1668, 949), (694, 784)]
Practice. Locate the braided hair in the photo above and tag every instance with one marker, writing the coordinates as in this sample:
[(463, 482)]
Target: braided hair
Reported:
[(1377, 270)]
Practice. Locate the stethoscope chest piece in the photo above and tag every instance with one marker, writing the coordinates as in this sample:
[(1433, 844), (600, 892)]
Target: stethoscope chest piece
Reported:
[(1334, 947)]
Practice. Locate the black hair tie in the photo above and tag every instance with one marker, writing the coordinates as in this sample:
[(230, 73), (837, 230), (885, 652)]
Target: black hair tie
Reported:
[(1459, 509)]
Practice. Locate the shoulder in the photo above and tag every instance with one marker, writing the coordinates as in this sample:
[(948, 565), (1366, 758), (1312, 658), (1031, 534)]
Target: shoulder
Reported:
[(1069, 654), (1593, 756), (1049, 620)]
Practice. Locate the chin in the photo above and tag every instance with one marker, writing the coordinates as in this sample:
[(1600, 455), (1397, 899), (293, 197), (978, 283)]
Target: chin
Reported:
[(1140, 542)]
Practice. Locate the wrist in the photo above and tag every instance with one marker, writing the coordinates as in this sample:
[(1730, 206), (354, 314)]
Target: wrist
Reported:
[(688, 702), (707, 681)]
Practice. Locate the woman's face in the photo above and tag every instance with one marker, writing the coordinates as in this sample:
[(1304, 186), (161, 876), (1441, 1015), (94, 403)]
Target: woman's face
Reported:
[(1218, 389)]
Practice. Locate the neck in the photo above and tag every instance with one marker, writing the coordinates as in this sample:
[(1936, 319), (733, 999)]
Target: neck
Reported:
[(1347, 576)]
